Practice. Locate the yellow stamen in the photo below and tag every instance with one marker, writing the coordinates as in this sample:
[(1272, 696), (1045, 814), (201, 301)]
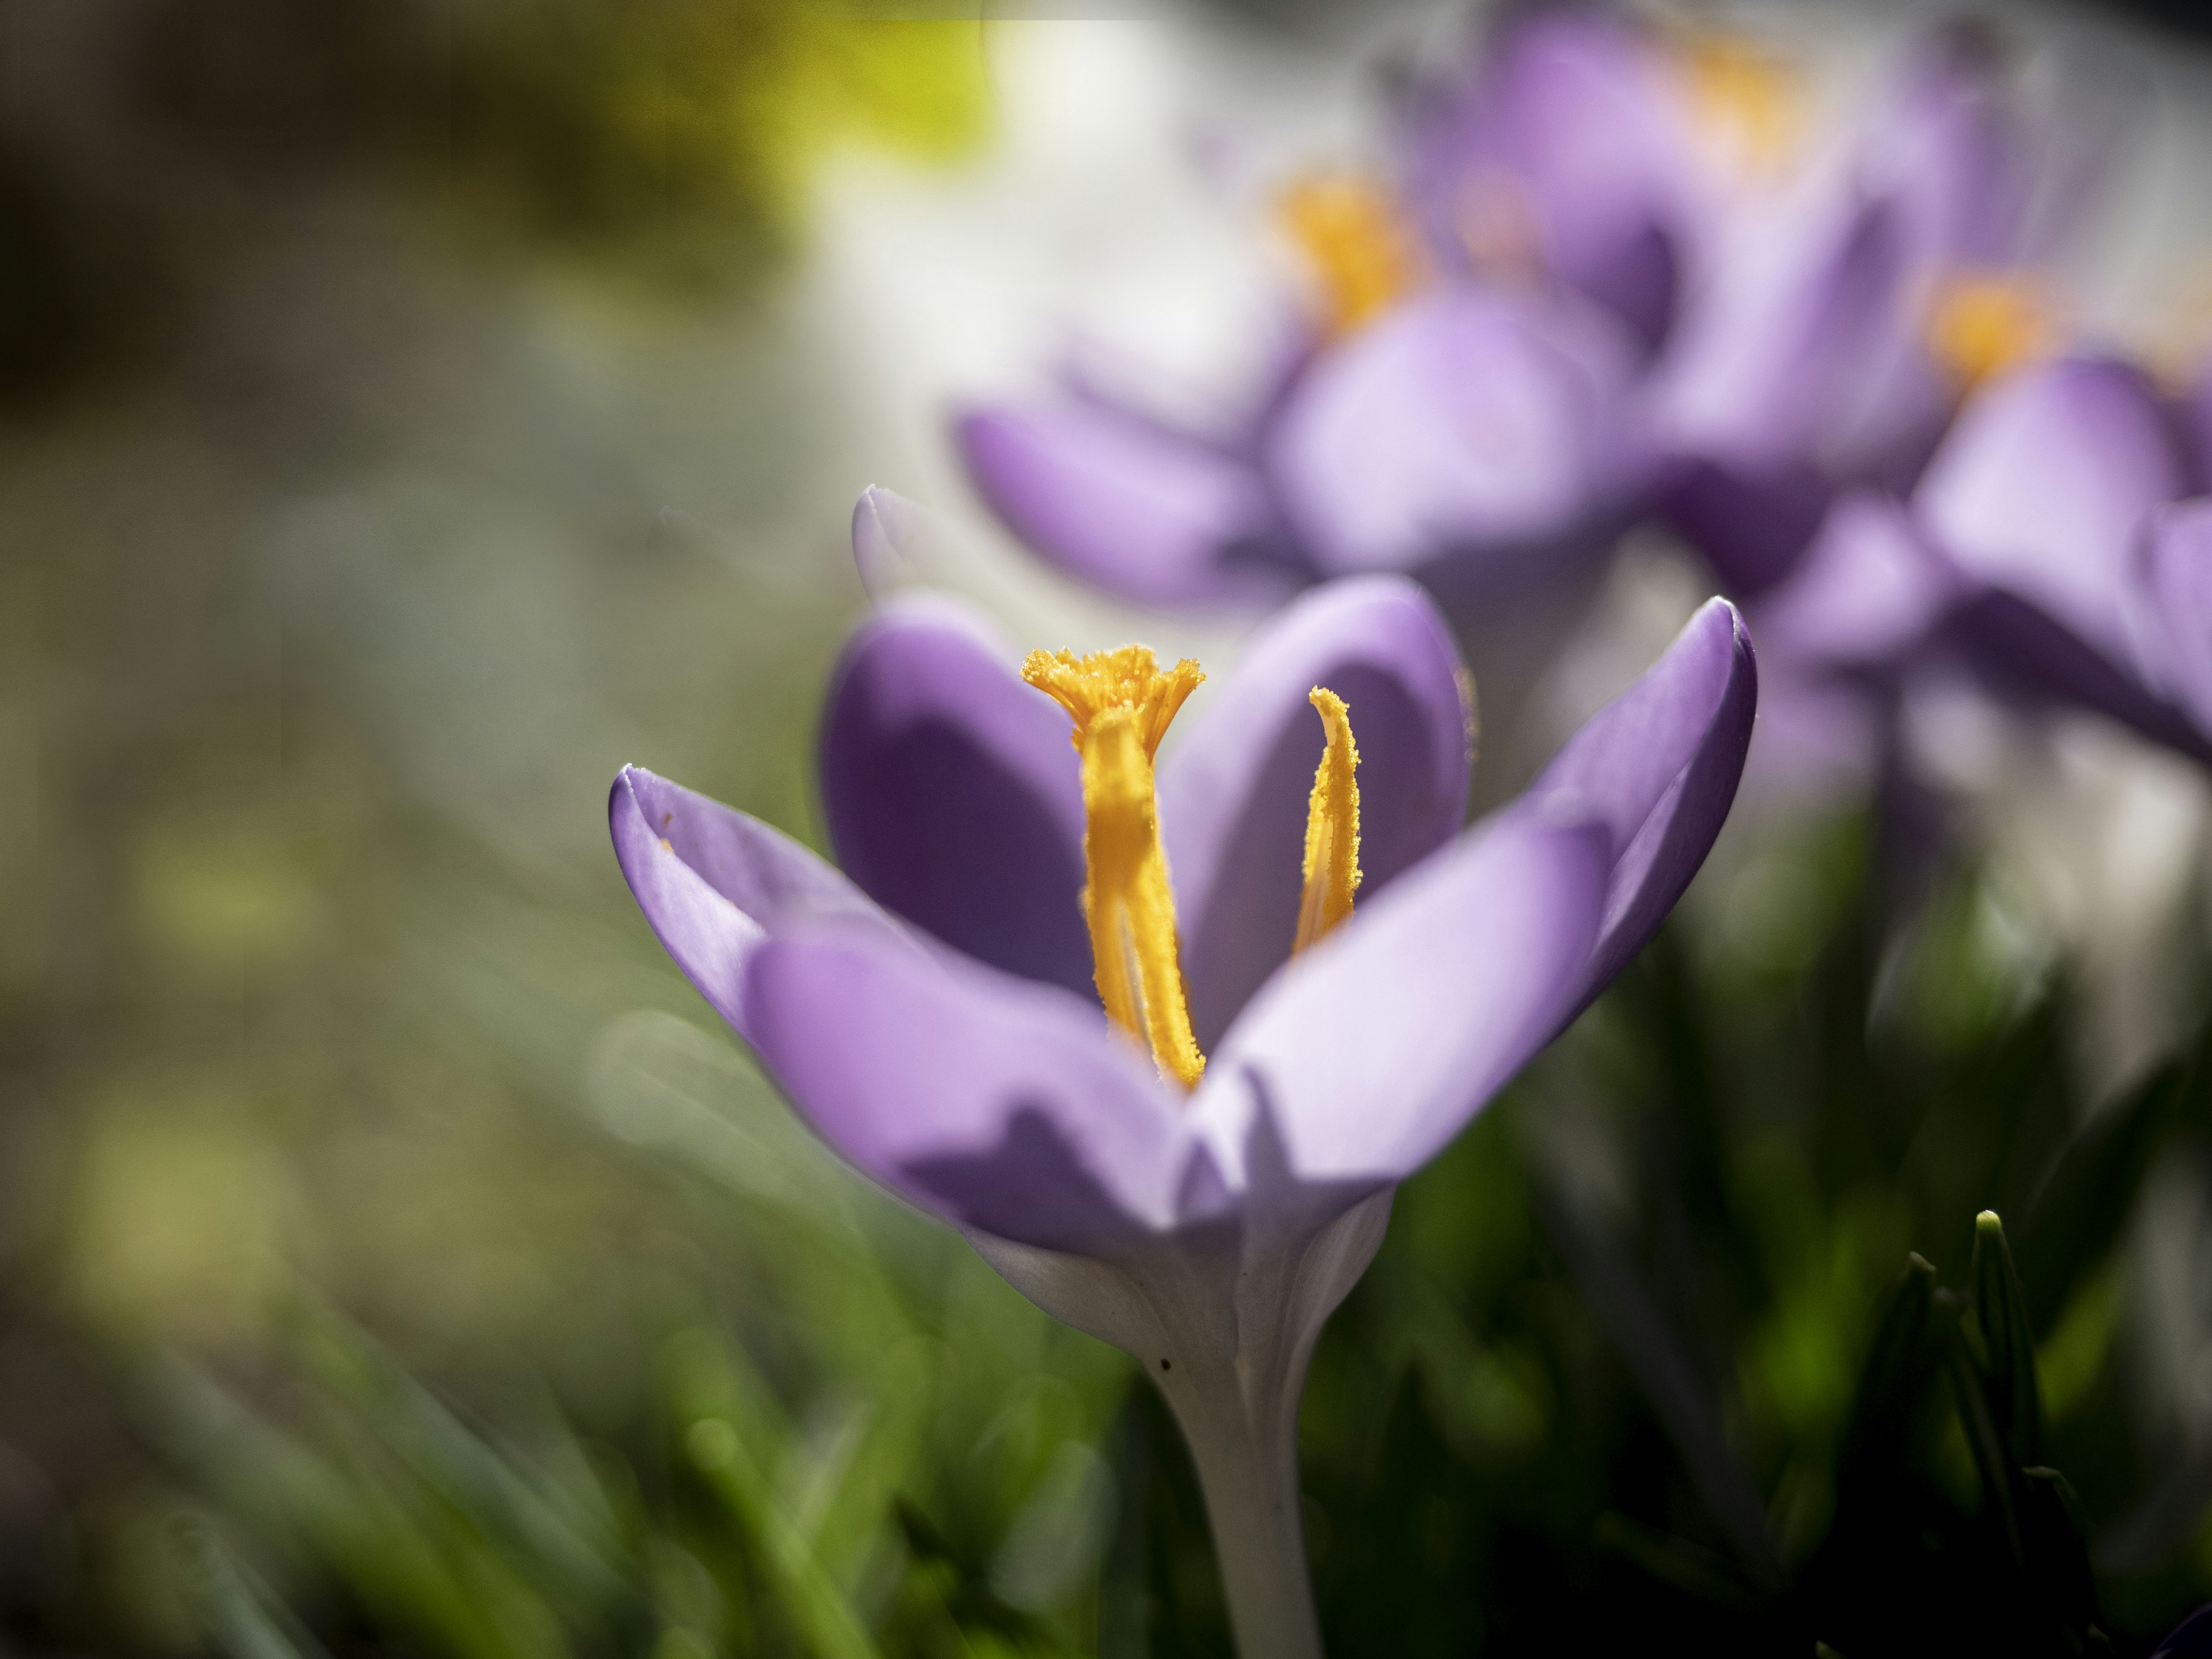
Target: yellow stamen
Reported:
[(1981, 324), (1361, 252), (1122, 704), (1748, 104), (1332, 826)]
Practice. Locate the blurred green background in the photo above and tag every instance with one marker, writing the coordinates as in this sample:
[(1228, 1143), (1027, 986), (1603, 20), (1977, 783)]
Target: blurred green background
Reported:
[(412, 414)]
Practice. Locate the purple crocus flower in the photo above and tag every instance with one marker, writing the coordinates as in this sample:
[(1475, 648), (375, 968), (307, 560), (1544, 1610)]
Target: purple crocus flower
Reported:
[(1829, 329), (1471, 437), (1197, 1178), (2051, 548)]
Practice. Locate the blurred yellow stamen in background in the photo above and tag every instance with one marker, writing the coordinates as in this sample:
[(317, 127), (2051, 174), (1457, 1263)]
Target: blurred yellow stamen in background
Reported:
[(1360, 250), (1746, 102), (1122, 704), (1332, 826), (1980, 324)]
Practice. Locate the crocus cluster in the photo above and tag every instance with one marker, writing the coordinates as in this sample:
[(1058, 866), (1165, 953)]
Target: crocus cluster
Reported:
[(1617, 273), (1614, 272), (1158, 1022)]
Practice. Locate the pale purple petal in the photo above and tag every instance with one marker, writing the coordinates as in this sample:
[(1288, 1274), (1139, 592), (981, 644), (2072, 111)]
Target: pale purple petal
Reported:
[(1126, 505), (995, 1103), (1658, 767), (1463, 424), (952, 795), (715, 883), (1371, 1050), (1569, 137), (1795, 302), (2177, 586), (2042, 486), (1235, 783), (1867, 595)]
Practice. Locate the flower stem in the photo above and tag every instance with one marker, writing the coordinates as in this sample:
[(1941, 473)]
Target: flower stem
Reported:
[(1247, 1468)]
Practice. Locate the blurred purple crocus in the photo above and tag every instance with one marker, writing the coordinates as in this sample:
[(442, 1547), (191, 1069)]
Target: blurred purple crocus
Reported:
[(2057, 546), (1565, 149), (1475, 438), (1828, 331), (1203, 1205)]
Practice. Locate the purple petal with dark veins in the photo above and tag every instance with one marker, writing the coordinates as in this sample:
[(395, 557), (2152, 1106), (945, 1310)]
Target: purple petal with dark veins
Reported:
[(1371, 1050), (1465, 422), (1124, 504), (2043, 485), (995, 1104), (1234, 784), (952, 794), (1658, 767), (715, 883)]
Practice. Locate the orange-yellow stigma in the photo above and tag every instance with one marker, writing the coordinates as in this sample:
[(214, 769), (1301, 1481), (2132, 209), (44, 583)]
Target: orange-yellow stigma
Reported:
[(1361, 252), (1121, 703), (1747, 103), (1981, 324), (1332, 826)]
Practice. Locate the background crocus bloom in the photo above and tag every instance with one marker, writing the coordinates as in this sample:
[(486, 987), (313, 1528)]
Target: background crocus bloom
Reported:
[(1474, 438), (2052, 547), (929, 1011)]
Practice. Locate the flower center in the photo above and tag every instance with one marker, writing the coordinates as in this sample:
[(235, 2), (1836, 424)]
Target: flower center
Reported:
[(1748, 104), (1981, 324), (1361, 253), (1122, 704)]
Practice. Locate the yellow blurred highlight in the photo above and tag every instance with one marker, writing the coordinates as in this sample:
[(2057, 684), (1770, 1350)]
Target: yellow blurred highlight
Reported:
[(758, 104), (219, 890), (1355, 242), (1980, 324), (177, 1222), (1748, 104)]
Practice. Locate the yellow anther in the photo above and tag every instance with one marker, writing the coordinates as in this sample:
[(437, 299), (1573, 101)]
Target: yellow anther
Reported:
[(1361, 252), (1981, 324), (1122, 704), (1747, 103), (1332, 826)]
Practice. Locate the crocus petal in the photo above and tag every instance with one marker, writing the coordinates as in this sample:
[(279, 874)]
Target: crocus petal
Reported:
[(2027, 651), (952, 796), (715, 883), (2042, 486), (1465, 424), (1126, 505), (1567, 147), (1233, 790), (2177, 588), (999, 1105), (1362, 1057), (1658, 767), (1752, 524), (1785, 316), (1868, 593), (2195, 420)]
